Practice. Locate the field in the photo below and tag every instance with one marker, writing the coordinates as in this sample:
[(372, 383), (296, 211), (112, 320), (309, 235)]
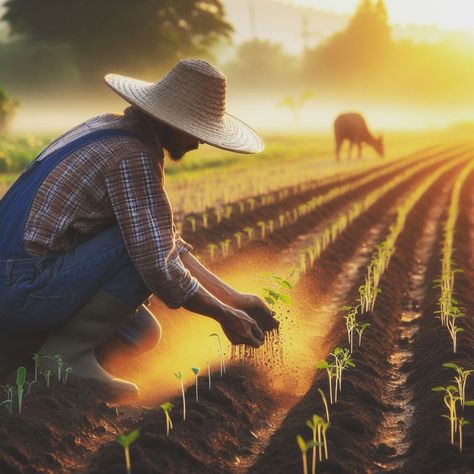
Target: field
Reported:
[(379, 255)]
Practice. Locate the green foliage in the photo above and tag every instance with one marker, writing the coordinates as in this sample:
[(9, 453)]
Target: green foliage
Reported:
[(126, 440), (7, 109), (112, 35)]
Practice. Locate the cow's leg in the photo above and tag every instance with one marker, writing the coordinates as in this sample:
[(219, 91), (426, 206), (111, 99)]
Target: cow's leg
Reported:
[(338, 148), (350, 151), (360, 150)]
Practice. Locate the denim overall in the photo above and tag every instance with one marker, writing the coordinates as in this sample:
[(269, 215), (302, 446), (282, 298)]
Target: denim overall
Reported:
[(38, 294)]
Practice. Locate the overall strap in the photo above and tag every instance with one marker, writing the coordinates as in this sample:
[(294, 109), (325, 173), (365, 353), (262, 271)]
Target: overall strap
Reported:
[(16, 204)]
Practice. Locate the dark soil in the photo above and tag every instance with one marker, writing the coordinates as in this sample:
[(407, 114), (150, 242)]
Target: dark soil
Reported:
[(68, 429)]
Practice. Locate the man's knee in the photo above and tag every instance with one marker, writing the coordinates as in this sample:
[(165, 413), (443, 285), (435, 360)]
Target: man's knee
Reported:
[(143, 332)]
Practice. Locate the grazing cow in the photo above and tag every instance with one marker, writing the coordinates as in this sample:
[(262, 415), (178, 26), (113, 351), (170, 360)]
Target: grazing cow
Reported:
[(352, 127)]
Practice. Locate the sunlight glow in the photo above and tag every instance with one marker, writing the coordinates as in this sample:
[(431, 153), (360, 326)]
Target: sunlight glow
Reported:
[(455, 15)]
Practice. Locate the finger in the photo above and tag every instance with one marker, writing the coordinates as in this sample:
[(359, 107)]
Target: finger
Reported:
[(257, 332)]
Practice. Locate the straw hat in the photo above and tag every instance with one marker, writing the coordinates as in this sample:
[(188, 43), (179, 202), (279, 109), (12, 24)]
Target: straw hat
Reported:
[(192, 98)]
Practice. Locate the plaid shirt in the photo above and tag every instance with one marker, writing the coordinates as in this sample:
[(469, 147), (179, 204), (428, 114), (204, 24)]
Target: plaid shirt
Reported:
[(114, 180)]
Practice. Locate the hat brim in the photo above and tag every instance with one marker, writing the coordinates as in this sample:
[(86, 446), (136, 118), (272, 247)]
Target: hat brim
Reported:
[(230, 133)]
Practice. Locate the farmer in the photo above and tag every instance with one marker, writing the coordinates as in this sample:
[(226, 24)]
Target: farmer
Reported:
[(87, 232)]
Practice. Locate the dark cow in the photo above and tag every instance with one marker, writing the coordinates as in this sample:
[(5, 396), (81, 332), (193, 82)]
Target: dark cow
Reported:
[(352, 127)]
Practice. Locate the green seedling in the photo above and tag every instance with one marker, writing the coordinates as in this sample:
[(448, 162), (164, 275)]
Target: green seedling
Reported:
[(221, 352), (196, 373), (351, 323), (179, 376), (304, 446), (59, 364), (360, 328), (9, 400), (67, 372), (331, 371), (20, 381), (275, 294), (167, 407), (450, 399), (47, 376), (460, 379), (324, 399), (125, 440), (461, 423)]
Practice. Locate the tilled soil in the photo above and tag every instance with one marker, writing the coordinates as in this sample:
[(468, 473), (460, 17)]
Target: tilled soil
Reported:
[(387, 396)]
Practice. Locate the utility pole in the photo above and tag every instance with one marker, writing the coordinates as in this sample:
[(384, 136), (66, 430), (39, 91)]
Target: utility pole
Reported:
[(253, 26)]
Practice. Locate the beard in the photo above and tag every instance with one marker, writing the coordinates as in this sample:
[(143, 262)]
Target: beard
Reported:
[(175, 154)]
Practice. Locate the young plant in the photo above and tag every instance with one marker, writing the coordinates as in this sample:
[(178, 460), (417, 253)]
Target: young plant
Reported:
[(67, 372), (450, 399), (318, 426), (331, 371), (167, 407), (461, 423), (9, 400), (275, 294), (221, 352), (360, 328), (460, 379), (125, 440), (196, 373), (324, 399), (20, 381), (47, 376), (179, 376), (304, 446)]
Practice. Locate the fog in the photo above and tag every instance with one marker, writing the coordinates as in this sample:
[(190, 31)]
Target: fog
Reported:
[(51, 116)]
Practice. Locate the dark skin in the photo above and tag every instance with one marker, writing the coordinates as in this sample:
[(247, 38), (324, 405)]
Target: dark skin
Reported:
[(243, 317)]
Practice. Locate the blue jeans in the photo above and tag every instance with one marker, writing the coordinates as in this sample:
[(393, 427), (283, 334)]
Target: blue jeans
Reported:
[(39, 294)]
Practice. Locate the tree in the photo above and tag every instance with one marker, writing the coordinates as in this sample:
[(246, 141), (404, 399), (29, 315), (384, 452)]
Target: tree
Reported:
[(119, 35), (261, 65), (358, 52)]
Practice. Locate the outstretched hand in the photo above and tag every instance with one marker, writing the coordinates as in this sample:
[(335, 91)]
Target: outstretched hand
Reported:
[(256, 308), (241, 328)]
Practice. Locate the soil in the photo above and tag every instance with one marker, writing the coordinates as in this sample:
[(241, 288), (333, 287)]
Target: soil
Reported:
[(387, 418)]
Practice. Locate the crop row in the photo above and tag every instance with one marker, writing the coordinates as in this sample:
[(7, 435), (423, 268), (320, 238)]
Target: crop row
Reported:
[(340, 359), (449, 310), (282, 219)]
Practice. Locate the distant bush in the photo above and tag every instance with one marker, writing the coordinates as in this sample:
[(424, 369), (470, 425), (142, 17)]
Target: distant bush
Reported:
[(7, 109), (17, 152)]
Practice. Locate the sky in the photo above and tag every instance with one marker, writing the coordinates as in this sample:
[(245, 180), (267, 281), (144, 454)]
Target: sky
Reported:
[(452, 14)]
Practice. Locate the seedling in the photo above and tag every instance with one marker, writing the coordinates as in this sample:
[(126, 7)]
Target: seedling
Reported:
[(221, 353), (319, 427), (360, 328), (460, 379), (20, 381), (47, 376), (209, 373), (275, 294), (450, 399), (9, 400), (67, 371), (461, 423), (59, 364), (179, 376), (196, 373), (125, 440), (323, 397), (167, 407), (331, 371), (304, 446)]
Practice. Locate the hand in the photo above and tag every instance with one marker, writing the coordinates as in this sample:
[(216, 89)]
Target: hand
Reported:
[(241, 328), (258, 310)]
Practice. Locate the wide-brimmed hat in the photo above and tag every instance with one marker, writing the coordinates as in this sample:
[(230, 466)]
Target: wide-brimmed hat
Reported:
[(190, 97)]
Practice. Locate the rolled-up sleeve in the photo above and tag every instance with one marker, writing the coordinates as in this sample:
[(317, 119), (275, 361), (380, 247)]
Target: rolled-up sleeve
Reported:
[(143, 211)]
